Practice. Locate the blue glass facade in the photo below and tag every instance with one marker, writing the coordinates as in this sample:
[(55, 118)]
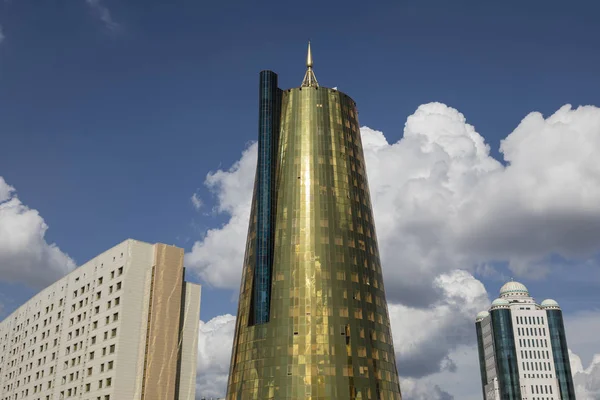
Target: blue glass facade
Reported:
[(481, 356), (560, 352), (506, 355), (268, 135)]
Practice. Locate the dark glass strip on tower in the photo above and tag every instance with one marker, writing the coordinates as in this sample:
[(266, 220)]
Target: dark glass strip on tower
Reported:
[(506, 355), (268, 135), (561, 354), (481, 356)]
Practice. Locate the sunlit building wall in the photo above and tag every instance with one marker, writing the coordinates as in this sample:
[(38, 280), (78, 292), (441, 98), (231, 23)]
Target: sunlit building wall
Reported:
[(123, 326)]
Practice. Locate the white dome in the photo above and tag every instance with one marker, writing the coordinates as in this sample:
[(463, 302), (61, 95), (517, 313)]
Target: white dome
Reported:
[(500, 302), (482, 315), (549, 303), (513, 288)]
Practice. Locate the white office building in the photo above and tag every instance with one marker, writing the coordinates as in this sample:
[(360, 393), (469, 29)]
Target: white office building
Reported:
[(523, 352), (123, 326)]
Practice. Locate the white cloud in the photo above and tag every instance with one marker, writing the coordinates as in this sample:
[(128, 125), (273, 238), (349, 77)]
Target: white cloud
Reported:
[(457, 379), (444, 330), (217, 258), (103, 13), (2, 37), (586, 381), (462, 382), (25, 255), (424, 337), (582, 337), (436, 209), (215, 341), (546, 200), (443, 206), (6, 190), (582, 333), (414, 389), (197, 201), (449, 204)]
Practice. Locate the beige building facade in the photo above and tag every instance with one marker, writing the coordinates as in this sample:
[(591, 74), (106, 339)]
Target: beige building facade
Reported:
[(123, 326)]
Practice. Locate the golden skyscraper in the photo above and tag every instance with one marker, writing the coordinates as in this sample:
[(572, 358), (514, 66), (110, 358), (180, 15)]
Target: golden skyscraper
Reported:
[(312, 319)]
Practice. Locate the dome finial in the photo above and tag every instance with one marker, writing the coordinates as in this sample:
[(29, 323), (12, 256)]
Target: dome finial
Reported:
[(310, 80)]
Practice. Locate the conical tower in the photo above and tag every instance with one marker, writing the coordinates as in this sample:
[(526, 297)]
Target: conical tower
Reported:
[(312, 319)]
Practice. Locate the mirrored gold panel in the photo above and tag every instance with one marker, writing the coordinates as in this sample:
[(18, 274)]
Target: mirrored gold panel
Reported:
[(328, 334)]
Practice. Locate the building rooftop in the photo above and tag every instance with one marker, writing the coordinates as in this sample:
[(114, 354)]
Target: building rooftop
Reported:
[(513, 288), (482, 315), (500, 302), (549, 303)]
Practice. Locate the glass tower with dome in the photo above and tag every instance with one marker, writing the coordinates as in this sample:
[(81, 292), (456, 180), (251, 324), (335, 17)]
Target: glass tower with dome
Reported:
[(522, 346)]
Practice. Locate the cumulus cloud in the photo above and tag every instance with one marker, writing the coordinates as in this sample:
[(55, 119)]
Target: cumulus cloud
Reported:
[(582, 329), (103, 13), (587, 381), (462, 382), (215, 340), (443, 349), (6, 190), (25, 255), (413, 389), (443, 329), (435, 213), (458, 372), (582, 337), (449, 204), (217, 258), (424, 337), (444, 209), (546, 200)]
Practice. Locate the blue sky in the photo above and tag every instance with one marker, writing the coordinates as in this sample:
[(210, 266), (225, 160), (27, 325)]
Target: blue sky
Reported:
[(109, 131), (112, 113)]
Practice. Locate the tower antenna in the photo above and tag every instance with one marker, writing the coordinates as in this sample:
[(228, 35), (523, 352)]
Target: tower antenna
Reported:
[(310, 80)]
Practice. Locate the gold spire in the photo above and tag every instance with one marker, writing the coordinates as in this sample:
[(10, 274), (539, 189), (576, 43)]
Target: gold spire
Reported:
[(309, 62), (310, 80)]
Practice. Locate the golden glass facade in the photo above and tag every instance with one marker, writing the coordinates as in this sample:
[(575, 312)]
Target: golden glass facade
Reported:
[(328, 333)]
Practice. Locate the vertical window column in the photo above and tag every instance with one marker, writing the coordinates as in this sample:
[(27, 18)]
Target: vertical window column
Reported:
[(506, 354), (269, 110)]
